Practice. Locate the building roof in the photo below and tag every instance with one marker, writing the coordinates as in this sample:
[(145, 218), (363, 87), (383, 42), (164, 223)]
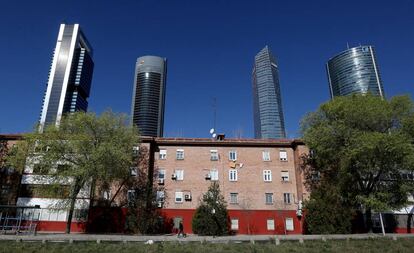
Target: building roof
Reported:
[(226, 142)]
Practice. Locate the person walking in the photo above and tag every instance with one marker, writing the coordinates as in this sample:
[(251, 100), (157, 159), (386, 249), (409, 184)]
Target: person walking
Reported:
[(181, 230)]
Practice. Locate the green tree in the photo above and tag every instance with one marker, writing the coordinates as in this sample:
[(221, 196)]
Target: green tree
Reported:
[(146, 199), (211, 216), (327, 212), (82, 151), (363, 146)]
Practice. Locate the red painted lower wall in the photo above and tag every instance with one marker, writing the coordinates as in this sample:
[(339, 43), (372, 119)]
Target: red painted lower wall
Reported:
[(404, 231), (60, 226), (250, 222)]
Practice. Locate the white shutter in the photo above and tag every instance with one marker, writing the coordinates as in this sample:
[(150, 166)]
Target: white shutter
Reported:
[(289, 224)]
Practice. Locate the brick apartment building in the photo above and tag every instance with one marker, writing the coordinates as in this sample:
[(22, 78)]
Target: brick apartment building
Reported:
[(260, 180)]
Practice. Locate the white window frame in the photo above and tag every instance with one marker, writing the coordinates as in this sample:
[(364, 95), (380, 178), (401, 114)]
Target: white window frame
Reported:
[(179, 173), (234, 198), (271, 195), (289, 225), (135, 150), (179, 195), (267, 175), (214, 156), (287, 198), (233, 155), (161, 172), (214, 176), (163, 154), (179, 155), (233, 175), (234, 224), (283, 155), (106, 194), (266, 155), (284, 174), (160, 196), (270, 224), (133, 171)]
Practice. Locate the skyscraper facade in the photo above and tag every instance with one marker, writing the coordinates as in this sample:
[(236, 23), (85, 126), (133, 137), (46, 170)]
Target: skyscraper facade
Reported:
[(354, 70), (148, 96), (268, 116), (70, 76)]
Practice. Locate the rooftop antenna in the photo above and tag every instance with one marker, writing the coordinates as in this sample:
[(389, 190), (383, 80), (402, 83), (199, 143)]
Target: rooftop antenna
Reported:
[(347, 45), (214, 111)]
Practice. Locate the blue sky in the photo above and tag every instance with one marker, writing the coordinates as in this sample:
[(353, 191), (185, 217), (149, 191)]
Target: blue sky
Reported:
[(210, 46)]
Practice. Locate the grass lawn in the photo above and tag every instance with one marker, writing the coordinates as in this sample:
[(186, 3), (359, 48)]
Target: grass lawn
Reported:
[(373, 245)]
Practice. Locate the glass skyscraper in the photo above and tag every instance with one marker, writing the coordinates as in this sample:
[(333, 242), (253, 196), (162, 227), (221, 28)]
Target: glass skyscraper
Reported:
[(268, 117), (70, 76), (354, 70), (148, 97)]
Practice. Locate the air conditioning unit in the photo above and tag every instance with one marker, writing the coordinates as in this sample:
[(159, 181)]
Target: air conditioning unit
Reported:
[(159, 204), (187, 197), (174, 176), (161, 181), (208, 176)]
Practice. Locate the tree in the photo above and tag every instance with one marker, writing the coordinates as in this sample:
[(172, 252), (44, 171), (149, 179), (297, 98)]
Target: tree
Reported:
[(147, 197), (327, 212), (362, 146), (82, 151), (211, 216)]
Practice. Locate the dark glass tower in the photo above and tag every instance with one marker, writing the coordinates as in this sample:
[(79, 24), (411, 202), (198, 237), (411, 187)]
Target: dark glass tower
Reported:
[(70, 76), (354, 70), (148, 97), (268, 117)]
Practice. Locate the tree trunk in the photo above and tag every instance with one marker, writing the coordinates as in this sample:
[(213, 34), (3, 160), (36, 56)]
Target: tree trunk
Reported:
[(73, 196), (368, 221)]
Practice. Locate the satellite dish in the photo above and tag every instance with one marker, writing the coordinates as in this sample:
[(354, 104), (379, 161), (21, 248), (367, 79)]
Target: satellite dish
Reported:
[(212, 131), (214, 135)]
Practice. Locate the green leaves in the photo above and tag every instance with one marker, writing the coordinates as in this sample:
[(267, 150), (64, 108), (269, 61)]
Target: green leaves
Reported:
[(362, 145), (211, 216), (83, 148)]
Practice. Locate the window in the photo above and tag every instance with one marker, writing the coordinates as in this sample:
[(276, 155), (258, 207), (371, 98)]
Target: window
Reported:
[(289, 224), (180, 154), (106, 195), (179, 197), (214, 155), (232, 175), (131, 197), (233, 155), (161, 174), (283, 155), (179, 174), (266, 155), (269, 198), (133, 171), (287, 198), (135, 150), (267, 175), (234, 224), (163, 154), (234, 198), (285, 175), (270, 224), (214, 175), (160, 196)]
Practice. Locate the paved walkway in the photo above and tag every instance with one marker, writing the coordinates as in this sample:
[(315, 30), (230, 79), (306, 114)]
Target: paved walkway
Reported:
[(191, 238)]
